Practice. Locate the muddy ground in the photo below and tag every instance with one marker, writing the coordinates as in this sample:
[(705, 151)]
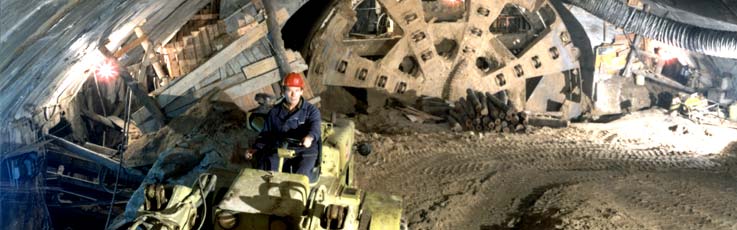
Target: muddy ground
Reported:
[(639, 172)]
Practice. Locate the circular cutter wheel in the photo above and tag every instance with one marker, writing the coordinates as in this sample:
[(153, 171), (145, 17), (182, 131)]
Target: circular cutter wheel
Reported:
[(411, 48)]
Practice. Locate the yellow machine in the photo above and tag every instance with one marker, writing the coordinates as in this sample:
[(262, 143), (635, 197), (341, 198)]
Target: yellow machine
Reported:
[(697, 108), (174, 207), (260, 199)]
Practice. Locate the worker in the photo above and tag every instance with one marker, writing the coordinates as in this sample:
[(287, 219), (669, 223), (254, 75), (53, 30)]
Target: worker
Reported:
[(291, 118)]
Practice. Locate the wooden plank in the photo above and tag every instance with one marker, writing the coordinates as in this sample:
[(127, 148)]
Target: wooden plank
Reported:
[(167, 59), (166, 30), (206, 41), (261, 50), (130, 46), (180, 102), (99, 149), (241, 61), (232, 11), (222, 73), (190, 57), (209, 80), (183, 62), (180, 57), (217, 41), (183, 84), (173, 61), (218, 74), (120, 123), (259, 67), (250, 57), (140, 69), (179, 111), (148, 48), (202, 52), (228, 70), (265, 65), (234, 68), (96, 117), (223, 84), (244, 27), (205, 17), (172, 64), (252, 85), (211, 34), (241, 23), (140, 116), (197, 47), (222, 31)]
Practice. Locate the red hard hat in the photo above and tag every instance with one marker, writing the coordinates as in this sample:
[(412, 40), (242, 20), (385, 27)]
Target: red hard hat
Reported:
[(294, 80)]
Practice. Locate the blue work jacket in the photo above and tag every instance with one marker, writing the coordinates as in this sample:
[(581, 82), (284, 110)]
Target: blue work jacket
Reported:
[(281, 123)]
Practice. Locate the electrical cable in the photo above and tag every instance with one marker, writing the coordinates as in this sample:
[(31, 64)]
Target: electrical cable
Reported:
[(120, 154), (697, 39)]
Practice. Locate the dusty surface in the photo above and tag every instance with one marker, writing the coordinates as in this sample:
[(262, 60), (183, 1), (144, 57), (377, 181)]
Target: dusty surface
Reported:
[(633, 173)]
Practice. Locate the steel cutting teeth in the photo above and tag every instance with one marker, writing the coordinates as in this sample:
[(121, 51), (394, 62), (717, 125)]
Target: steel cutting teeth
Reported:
[(413, 47)]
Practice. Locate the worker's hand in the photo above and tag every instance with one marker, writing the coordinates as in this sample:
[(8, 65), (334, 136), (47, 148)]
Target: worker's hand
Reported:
[(307, 141), (249, 153)]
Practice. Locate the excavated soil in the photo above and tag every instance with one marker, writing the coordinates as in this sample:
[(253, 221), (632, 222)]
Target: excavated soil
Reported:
[(639, 172)]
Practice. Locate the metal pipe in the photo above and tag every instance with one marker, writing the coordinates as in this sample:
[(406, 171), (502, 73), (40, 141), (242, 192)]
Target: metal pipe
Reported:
[(120, 150), (697, 39), (275, 36)]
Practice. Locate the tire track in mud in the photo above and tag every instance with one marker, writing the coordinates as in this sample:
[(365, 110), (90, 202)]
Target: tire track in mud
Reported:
[(694, 200), (670, 215), (548, 155), (486, 178), (659, 200)]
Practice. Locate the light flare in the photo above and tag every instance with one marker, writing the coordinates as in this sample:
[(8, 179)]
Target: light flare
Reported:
[(668, 52), (452, 3), (105, 70)]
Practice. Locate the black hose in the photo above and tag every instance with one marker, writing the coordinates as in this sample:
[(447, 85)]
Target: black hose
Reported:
[(702, 40)]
